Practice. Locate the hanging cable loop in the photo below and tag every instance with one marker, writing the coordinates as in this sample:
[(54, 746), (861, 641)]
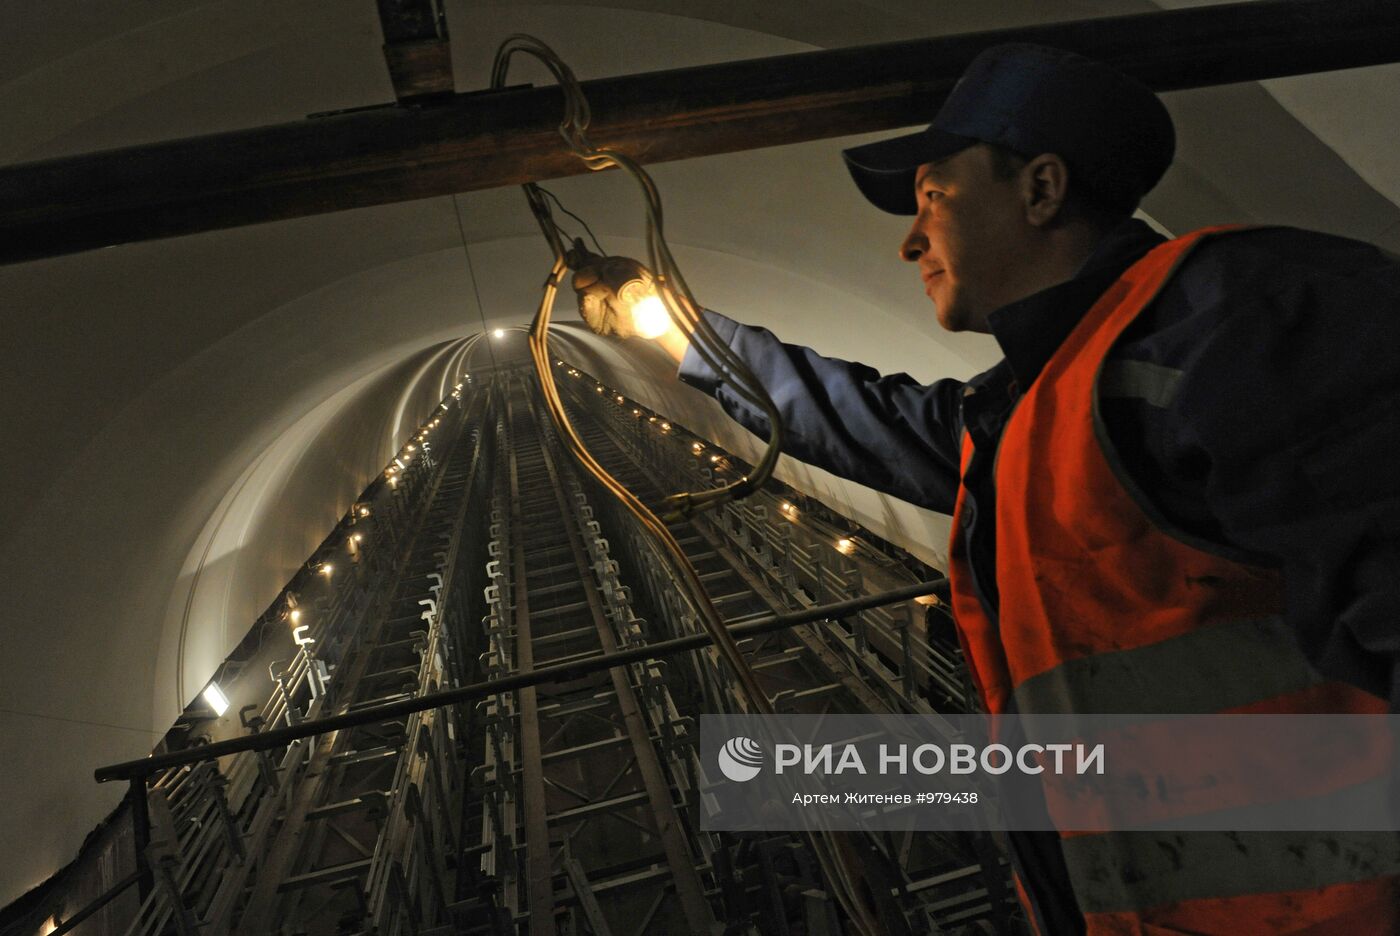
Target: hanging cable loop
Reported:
[(679, 301), (838, 865)]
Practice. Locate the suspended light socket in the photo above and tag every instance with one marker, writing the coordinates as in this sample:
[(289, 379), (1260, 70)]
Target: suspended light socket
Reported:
[(617, 295), (216, 699)]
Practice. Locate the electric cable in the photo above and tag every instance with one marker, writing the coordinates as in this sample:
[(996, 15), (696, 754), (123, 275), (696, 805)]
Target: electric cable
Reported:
[(837, 864), (671, 285), (593, 237), (471, 272), (830, 853)]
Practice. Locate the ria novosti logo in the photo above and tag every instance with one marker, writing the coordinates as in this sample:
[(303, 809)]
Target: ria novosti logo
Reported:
[(740, 759)]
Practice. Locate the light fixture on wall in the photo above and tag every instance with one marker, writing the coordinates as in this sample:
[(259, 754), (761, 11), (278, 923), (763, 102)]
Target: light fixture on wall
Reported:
[(216, 699)]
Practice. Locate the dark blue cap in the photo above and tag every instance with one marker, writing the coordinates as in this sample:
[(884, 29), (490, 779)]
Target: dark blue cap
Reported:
[(1112, 132)]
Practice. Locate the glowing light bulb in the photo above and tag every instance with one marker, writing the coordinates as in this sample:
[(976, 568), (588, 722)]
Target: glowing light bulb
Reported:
[(357, 538), (364, 511), (665, 427), (294, 615), (620, 400), (845, 546), (216, 699), (327, 568), (499, 333), (697, 448), (636, 412), (650, 318)]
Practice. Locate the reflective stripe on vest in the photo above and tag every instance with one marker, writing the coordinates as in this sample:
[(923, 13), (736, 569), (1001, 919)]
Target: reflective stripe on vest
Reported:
[(1139, 870), (1103, 610), (1196, 673)]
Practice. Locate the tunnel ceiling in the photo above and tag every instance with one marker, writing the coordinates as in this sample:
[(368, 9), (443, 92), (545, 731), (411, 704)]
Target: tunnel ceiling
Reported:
[(187, 418)]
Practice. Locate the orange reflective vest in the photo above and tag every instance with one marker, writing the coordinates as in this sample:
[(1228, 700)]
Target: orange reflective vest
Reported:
[(1104, 611)]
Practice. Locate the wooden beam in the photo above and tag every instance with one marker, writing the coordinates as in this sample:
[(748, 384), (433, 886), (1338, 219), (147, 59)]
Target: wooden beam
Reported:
[(487, 139)]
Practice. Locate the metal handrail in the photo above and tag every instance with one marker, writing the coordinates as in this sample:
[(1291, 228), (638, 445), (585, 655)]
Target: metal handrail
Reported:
[(279, 737)]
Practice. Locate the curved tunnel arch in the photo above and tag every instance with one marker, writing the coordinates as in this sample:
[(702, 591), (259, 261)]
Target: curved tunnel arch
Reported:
[(173, 393)]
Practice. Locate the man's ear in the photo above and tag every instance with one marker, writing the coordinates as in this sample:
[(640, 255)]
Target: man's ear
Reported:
[(1044, 184)]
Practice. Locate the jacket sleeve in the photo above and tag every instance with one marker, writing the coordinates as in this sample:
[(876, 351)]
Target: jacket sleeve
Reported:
[(889, 433), (1290, 414)]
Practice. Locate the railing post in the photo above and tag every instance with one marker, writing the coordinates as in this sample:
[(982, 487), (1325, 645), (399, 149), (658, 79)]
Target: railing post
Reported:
[(141, 834)]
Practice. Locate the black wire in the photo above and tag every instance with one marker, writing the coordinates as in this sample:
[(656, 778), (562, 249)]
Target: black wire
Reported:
[(471, 271), (575, 217), (566, 235)]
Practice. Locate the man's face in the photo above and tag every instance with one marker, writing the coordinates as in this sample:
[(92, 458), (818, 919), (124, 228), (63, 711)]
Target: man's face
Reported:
[(966, 238)]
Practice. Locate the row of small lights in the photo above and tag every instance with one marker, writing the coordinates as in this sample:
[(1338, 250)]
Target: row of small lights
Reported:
[(213, 694), (843, 544)]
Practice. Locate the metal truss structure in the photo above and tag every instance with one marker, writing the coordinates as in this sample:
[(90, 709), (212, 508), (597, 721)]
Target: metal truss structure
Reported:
[(562, 805)]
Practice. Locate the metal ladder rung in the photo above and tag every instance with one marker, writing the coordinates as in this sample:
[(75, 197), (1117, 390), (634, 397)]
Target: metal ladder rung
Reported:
[(346, 872)]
